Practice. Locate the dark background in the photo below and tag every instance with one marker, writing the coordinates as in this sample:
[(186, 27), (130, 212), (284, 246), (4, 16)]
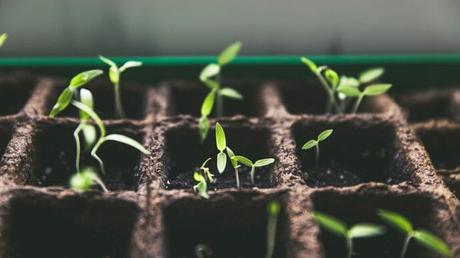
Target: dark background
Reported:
[(201, 27)]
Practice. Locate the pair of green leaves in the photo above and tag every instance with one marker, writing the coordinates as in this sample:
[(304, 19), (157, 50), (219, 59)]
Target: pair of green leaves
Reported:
[(221, 144), (321, 137), (372, 90), (202, 177), (3, 38), (253, 165), (338, 227), (65, 98), (422, 236), (115, 72)]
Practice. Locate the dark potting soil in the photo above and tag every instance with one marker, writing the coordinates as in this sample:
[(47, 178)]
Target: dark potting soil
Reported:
[(54, 160), (229, 227), (73, 227)]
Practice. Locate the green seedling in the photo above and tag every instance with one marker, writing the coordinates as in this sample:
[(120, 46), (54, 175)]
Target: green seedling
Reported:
[(315, 143), (88, 130), (3, 38), (329, 79), (423, 237), (339, 228), (210, 77), (115, 77), (372, 90), (235, 166), (273, 209), (253, 165), (103, 137), (65, 98), (85, 179), (221, 144), (203, 177)]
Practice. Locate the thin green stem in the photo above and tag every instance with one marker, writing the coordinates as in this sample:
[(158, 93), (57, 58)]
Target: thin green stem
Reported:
[(349, 247), (253, 170), (357, 103), (331, 100), (406, 245), (271, 234), (219, 99), (100, 183), (76, 136), (237, 176), (119, 112), (317, 155), (95, 156)]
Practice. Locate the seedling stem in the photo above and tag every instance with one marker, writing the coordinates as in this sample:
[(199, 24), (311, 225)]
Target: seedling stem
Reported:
[(315, 143), (273, 209)]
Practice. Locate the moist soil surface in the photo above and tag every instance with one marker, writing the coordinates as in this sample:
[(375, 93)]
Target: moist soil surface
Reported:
[(375, 159)]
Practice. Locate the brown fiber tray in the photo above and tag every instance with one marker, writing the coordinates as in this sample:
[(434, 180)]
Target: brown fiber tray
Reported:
[(376, 160)]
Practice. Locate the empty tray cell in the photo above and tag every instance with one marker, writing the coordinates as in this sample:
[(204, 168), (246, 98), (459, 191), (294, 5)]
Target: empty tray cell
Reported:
[(133, 99), (309, 97), (14, 93), (54, 157), (185, 154), (70, 227), (428, 104), (441, 143), (186, 99), (228, 227), (354, 208), (358, 151)]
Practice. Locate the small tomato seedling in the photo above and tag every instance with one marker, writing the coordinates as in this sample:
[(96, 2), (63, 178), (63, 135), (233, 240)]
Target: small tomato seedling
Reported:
[(253, 165), (423, 237), (273, 209), (235, 166), (210, 77), (103, 137), (315, 143), (202, 177), (3, 38), (337, 227), (372, 90), (115, 77)]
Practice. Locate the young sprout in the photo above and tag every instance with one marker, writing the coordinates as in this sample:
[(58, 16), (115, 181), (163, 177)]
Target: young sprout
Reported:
[(329, 79), (273, 209), (372, 90), (3, 38), (103, 137), (202, 251), (77, 81), (235, 166), (115, 77), (253, 165), (337, 227), (221, 144), (89, 131), (85, 179), (210, 76), (423, 237), (202, 177), (315, 143)]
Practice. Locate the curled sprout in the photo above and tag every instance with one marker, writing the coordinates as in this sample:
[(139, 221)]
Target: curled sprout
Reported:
[(85, 179), (203, 177), (315, 143), (210, 77), (115, 77), (253, 165), (422, 236), (3, 38), (337, 227)]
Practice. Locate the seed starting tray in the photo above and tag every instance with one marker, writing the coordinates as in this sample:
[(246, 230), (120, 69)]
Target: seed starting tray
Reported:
[(378, 158)]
